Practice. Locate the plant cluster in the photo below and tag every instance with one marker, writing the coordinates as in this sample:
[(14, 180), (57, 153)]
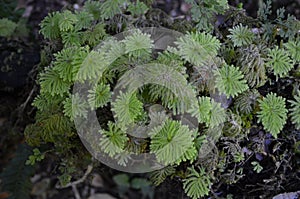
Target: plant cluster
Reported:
[(215, 78)]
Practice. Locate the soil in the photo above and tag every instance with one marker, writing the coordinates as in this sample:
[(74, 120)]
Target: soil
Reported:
[(19, 58)]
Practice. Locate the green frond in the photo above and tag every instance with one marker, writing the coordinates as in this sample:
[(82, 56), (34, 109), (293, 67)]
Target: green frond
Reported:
[(198, 48), (127, 108), (99, 96), (241, 35), (92, 67), (217, 115), (44, 102), (113, 140), (273, 113), (197, 184), (75, 106), (293, 47), (94, 36), (93, 8), (295, 111), (279, 61), (84, 20), (111, 8), (229, 80), (72, 38), (173, 60), (68, 61), (7, 27), (158, 176), (246, 102), (170, 141), (52, 83), (50, 26), (54, 125), (202, 110), (138, 44), (138, 8), (67, 21), (252, 65)]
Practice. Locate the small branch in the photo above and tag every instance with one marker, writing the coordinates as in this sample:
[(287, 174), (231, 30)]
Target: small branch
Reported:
[(82, 179), (75, 191)]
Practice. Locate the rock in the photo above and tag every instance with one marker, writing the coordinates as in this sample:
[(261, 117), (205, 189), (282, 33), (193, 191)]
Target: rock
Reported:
[(97, 181)]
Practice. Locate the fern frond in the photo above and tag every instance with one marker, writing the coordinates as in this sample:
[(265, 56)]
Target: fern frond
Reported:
[(295, 110), (15, 178), (72, 38), (252, 65), (138, 8), (93, 8), (7, 27), (92, 67), (246, 102), (50, 26), (229, 80), (44, 102), (279, 61), (127, 108), (218, 115), (241, 35), (67, 21), (113, 140), (138, 44), (170, 141), (95, 35), (75, 106), (52, 83), (111, 8), (273, 113), (84, 20), (197, 184), (197, 48), (202, 110), (99, 96), (293, 47), (158, 176), (171, 59)]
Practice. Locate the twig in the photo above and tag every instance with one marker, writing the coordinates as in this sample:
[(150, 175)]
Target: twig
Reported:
[(76, 193), (82, 179)]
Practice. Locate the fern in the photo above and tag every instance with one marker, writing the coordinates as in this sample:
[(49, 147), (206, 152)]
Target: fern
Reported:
[(71, 38), (127, 108), (295, 111), (111, 8), (197, 184), (75, 106), (15, 178), (252, 65), (279, 61), (67, 21), (273, 113), (241, 35), (113, 140), (197, 48), (158, 176), (138, 8), (246, 102), (50, 26), (99, 96), (138, 44), (95, 35), (84, 20), (92, 67), (7, 27), (229, 80), (293, 47), (93, 8), (51, 82), (170, 141), (204, 12)]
